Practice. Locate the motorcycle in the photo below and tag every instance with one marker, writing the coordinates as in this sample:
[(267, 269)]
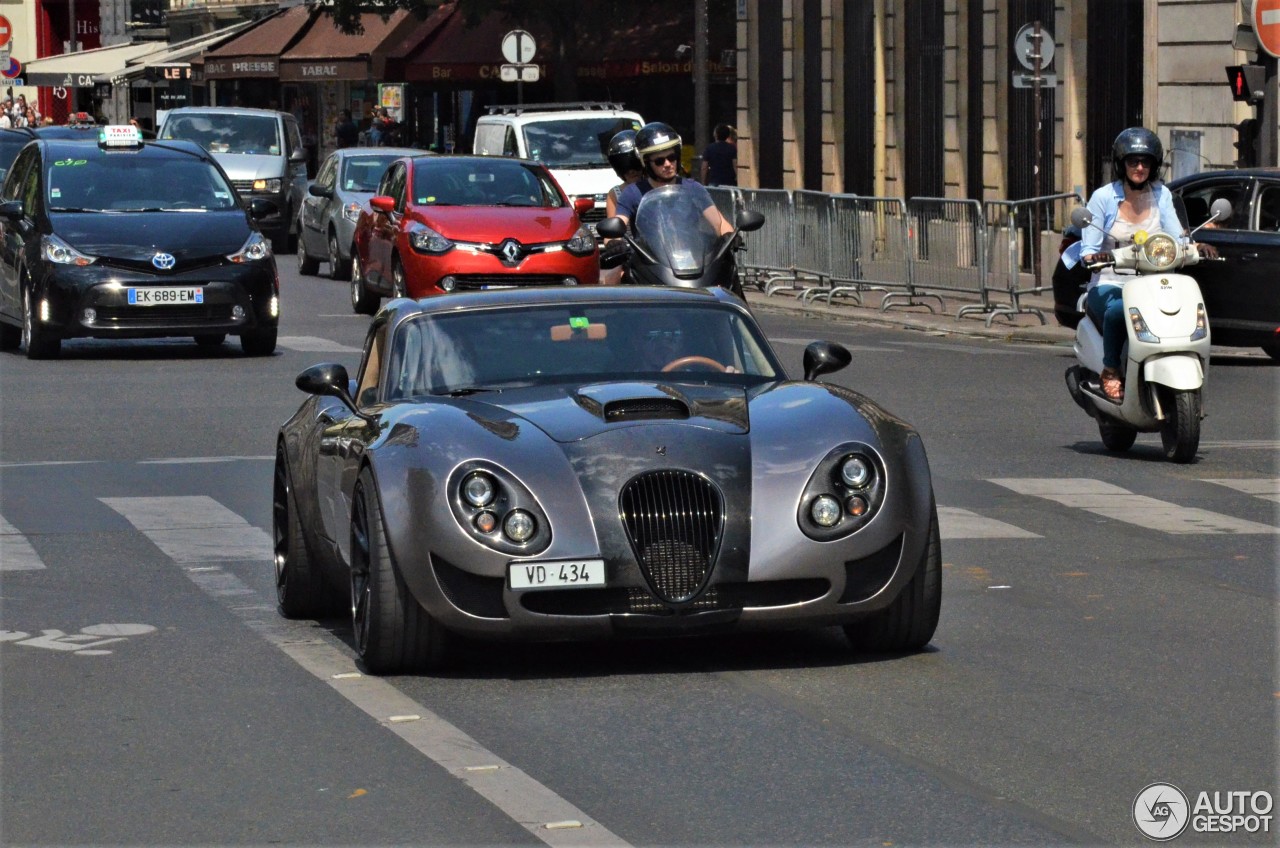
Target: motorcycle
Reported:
[(673, 243), (1166, 355)]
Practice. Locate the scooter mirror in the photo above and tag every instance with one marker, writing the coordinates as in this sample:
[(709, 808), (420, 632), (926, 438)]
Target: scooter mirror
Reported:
[(749, 220), (612, 228), (1221, 209), (1081, 217)]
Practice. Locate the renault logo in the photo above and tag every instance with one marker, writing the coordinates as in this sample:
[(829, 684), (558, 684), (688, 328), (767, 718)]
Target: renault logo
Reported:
[(511, 251), (163, 261)]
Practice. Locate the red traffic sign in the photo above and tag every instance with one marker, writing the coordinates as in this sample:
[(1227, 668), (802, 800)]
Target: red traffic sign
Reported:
[(6, 31), (1266, 25)]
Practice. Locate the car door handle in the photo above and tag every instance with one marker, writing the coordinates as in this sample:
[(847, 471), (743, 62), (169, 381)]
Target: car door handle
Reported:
[(1248, 257)]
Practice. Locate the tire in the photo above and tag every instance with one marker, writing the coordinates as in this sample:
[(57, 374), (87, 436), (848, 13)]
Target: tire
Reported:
[(393, 633), (1180, 434), (339, 268), (399, 287), (907, 624), (10, 337), (259, 342), (1116, 437), (301, 591), (307, 265), (363, 301), (1272, 349), (36, 339)]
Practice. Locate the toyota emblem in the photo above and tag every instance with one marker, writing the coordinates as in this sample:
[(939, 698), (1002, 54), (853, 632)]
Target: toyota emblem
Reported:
[(163, 261)]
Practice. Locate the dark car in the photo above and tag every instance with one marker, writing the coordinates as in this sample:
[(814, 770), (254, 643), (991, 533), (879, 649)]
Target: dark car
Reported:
[(1241, 293), (129, 239), (11, 142), (578, 462)]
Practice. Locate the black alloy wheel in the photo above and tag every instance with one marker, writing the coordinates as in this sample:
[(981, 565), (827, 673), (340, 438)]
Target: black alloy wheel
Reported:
[(363, 301)]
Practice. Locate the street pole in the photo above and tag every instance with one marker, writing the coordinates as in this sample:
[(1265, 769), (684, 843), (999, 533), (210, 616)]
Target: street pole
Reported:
[(701, 97), (1268, 148), (1036, 54)]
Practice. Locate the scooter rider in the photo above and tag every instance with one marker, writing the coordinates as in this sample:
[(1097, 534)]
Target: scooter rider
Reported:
[(658, 147), (1133, 201)]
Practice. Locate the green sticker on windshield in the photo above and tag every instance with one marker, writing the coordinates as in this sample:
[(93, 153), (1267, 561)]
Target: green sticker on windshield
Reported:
[(579, 322)]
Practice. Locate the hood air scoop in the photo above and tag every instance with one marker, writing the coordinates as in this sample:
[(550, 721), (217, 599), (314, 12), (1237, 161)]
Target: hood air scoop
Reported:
[(646, 409)]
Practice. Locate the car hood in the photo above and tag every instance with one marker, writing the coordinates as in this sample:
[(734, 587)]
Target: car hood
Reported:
[(246, 166), (138, 236), (585, 181), (492, 224)]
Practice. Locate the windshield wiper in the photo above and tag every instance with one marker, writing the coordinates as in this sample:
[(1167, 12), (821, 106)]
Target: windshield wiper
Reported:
[(492, 387)]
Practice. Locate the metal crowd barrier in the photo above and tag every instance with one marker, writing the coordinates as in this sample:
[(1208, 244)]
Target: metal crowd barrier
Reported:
[(1016, 248), (769, 258)]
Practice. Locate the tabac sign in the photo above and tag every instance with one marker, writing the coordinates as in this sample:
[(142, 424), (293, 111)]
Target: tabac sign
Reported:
[(240, 67), (320, 71)]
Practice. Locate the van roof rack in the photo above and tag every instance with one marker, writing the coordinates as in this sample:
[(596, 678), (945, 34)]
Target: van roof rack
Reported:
[(516, 109)]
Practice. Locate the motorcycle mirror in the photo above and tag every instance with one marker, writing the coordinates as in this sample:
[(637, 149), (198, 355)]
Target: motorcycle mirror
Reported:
[(1221, 209), (750, 220), (612, 228), (1081, 217)]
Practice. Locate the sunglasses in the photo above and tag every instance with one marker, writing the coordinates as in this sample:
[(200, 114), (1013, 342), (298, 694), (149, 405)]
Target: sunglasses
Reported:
[(662, 160), (1137, 161)]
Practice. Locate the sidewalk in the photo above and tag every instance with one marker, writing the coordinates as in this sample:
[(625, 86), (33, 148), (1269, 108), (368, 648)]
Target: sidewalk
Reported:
[(1024, 327)]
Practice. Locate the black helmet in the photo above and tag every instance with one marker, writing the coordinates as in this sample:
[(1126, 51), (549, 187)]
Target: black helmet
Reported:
[(1136, 141), (622, 153), (656, 137)]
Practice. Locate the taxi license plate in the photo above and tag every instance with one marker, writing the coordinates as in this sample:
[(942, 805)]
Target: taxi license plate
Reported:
[(166, 296), (556, 575)]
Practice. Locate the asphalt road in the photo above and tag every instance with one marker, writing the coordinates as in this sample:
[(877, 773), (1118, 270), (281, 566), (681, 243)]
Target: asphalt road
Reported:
[(1109, 622)]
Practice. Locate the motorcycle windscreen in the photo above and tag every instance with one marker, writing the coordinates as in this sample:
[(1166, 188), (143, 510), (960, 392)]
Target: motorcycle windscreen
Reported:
[(673, 229)]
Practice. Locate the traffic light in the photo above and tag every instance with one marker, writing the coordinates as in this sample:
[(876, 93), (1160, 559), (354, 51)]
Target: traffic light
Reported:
[(1248, 152), (1247, 82)]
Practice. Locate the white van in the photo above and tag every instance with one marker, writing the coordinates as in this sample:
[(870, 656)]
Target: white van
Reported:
[(569, 138)]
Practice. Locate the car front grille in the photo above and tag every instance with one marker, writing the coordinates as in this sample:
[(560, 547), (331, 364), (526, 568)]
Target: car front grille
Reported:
[(593, 215), (137, 316), (673, 521), (474, 282), (243, 186)]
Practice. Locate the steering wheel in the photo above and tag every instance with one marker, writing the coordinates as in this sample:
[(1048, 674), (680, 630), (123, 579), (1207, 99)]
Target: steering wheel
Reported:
[(686, 361), (518, 200)]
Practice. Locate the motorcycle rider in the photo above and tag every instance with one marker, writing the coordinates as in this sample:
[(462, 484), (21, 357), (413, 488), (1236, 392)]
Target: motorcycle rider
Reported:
[(1134, 200), (626, 164), (658, 147)]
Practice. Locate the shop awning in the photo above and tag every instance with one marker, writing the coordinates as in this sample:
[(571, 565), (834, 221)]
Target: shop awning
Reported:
[(88, 67), (327, 53), (256, 52), (174, 62)]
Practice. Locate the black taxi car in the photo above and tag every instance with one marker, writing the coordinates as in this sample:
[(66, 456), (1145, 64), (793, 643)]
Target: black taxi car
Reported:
[(129, 239)]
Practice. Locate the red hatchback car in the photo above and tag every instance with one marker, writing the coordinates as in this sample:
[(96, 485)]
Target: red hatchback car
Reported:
[(455, 223)]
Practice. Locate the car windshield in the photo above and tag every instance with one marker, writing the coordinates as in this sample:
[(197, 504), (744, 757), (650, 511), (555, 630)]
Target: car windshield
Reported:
[(228, 133), (441, 181), (460, 352), (574, 142), (135, 182), (362, 173)]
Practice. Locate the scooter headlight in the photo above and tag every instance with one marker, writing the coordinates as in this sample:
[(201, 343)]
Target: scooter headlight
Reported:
[(1140, 329), (1202, 324), (1161, 251)]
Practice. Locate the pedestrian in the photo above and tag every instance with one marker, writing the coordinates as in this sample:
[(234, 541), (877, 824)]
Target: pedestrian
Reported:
[(720, 159), (345, 132)]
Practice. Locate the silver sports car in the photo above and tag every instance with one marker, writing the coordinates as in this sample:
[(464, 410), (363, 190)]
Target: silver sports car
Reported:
[(573, 463)]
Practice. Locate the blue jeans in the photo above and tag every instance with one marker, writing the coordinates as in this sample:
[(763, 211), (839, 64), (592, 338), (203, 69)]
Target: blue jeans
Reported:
[(1108, 301)]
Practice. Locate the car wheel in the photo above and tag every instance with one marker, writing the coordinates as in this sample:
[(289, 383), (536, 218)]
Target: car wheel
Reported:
[(909, 622), (259, 342), (1180, 434), (339, 268), (301, 591), (307, 265), (393, 633), (399, 287), (35, 338), (1272, 349), (363, 301), (1116, 436), (211, 339), (10, 337)]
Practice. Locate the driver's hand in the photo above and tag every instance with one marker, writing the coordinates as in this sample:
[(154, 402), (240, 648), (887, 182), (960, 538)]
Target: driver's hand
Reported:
[(1206, 251)]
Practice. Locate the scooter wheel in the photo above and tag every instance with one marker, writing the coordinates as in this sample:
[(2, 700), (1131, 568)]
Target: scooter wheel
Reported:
[(1116, 437), (1181, 431)]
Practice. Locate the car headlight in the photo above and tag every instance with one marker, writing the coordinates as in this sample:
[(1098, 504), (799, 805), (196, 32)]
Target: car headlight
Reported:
[(844, 493), (855, 471), (825, 511), (351, 211), (582, 243), (255, 249), (478, 489), (519, 526), (1161, 250), (426, 240), (267, 186), (57, 251), (497, 510)]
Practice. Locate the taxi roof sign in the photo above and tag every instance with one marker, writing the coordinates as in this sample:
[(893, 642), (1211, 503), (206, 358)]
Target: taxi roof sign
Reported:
[(119, 135)]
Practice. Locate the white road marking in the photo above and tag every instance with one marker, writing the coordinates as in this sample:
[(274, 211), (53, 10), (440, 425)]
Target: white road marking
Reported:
[(16, 553), (201, 460), (1241, 444), (182, 527), (194, 528), (866, 348), (1120, 504), (314, 344), (1267, 488), (957, 523), (49, 462)]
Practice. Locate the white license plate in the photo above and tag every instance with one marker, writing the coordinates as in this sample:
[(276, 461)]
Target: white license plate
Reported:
[(556, 575), (166, 296)]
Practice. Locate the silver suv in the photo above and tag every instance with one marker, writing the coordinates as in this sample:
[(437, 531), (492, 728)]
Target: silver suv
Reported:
[(261, 150)]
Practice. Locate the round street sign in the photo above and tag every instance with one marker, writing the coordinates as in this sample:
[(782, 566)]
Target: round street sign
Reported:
[(518, 47), (6, 31), (12, 69), (1023, 46), (1266, 25)]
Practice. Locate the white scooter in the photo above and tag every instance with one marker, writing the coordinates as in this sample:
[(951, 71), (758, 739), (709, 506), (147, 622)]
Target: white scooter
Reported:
[(1166, 357)]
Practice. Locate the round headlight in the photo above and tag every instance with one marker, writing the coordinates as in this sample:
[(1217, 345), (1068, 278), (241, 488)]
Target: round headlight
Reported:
[(478, 490), (825, 511), (519, 526), (1161, 250), (486, 521), (855, 472)]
